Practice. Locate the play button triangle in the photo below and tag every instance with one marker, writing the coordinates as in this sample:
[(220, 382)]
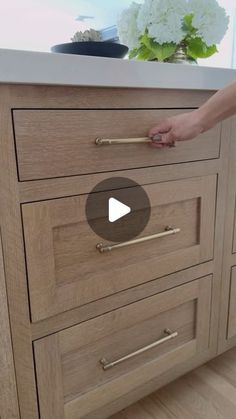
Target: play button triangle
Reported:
[(117, 210)]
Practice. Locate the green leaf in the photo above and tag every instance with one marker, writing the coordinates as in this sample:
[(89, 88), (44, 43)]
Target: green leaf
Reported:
[(188, 20), (133, 53), (142, 53), (145, 54), (188, 24), (197, 48), (161, 52), (164, 51)]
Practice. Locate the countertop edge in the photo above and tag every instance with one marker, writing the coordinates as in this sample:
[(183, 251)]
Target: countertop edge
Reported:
[(26, 67)]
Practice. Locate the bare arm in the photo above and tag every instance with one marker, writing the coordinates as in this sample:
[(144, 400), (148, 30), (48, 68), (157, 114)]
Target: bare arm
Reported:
[(188, 125)]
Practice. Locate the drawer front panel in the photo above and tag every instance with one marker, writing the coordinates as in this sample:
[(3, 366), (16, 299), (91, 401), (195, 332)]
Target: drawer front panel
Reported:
[(71, 377), (57, 143), (65, 270)]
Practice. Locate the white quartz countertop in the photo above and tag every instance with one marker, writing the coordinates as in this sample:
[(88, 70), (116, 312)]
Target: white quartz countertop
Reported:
[(62, 69)]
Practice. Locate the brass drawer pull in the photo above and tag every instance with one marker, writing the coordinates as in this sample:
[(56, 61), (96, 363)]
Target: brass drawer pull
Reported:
[(109, 141), (170, 335), (108, 248)]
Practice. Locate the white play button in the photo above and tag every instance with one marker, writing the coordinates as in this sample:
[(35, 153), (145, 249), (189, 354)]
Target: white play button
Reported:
[(117, 210)]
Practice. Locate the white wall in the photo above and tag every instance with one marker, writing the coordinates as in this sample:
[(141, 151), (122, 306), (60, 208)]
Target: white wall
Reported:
[(225, 56), (39, 24)]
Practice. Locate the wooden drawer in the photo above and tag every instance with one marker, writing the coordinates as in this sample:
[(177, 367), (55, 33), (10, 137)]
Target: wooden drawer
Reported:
[(72, 382), (65, 270), (57, 143)]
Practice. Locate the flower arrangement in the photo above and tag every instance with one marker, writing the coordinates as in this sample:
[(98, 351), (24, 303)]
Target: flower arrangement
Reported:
[(88, 35), (156, 29)]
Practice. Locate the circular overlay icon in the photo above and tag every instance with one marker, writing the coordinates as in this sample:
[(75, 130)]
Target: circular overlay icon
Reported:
[(118, 209)]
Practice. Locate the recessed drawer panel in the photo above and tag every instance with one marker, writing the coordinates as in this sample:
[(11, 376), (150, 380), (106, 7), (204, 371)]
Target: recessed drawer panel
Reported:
[(56, 143), (66, 270), (83, 368)]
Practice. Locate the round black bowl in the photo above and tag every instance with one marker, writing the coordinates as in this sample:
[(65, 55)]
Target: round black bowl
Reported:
[(96, 49)]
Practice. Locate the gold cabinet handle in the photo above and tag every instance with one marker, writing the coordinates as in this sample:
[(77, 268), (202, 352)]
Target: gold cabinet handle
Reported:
[(109, 141), (169, 335), (142, 140), (108, 248)]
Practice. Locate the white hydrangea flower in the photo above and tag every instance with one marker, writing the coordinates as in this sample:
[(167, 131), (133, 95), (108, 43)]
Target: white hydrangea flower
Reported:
[(127, 26), (163, 19), (144, 15), (210, 20)]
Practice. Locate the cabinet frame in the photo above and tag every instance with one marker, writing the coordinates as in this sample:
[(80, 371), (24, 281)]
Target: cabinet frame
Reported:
[(13, 193)]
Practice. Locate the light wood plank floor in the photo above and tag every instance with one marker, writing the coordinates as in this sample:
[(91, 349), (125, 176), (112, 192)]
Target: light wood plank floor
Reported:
[(208, 392)]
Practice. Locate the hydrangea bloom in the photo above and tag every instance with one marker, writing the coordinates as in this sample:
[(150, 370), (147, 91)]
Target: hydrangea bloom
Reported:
[(144, 15), (194, 25), (163, 19), (127, 26), (209, 19)]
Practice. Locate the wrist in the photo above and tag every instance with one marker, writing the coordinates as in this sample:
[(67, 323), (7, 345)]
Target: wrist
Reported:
[(203, 120)]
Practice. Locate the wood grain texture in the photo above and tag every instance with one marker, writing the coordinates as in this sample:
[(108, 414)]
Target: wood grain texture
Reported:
[(227, 331), (21, 98), (148, 408), (59, 188), (185, 309), (14, 261), (49, 378), (65, 270), (231, 330), (234, 232), (8, 393), (61, 97), (104, 305), (41, 97), (207, 392), (60, 143)]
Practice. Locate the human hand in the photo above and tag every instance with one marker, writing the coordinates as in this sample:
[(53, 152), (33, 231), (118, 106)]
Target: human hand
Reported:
[(176, 128)]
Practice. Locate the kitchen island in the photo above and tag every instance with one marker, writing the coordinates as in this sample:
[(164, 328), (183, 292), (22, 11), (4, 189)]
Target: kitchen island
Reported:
[(87, 333)]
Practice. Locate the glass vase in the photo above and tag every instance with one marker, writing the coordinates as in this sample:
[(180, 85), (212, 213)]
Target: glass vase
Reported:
[(180, 57)]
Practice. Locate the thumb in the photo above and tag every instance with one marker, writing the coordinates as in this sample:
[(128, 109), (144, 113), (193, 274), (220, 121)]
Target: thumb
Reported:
[(163, 127), (168, 138)]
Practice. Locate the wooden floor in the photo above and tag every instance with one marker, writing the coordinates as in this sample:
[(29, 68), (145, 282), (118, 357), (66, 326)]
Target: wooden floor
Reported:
[(208, 392)]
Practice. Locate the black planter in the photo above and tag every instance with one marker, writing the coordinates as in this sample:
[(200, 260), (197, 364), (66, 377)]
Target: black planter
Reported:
[(96, 49)]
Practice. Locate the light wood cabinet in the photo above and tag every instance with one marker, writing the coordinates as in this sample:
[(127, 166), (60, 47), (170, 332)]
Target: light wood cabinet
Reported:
[(8, 392), (152, 310), (227, 334)]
